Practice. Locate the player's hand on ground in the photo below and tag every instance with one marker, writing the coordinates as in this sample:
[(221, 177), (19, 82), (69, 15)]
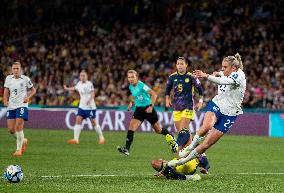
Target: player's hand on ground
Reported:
[(149, 109), (159, 174), (26, 99), (200, 74)]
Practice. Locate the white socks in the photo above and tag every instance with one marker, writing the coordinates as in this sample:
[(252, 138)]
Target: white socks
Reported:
[(195, 142), (191, 156), (99, 131), (78, 128), (20, 138), (77, 131)]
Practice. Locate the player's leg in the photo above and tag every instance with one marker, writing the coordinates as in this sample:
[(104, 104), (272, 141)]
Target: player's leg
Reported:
[(221, 126), (184, 136), (22, 115), (153, 119), (19, 125), (98, 131), (11, 121), (209, 120), (77, 130), (210, 140), (11, 127), (133, 126)]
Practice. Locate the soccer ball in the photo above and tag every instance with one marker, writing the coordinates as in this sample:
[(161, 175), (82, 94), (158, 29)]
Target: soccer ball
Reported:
[(13, 174)]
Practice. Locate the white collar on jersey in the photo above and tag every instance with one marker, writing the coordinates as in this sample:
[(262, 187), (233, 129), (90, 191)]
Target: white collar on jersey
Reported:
[(21, 77)]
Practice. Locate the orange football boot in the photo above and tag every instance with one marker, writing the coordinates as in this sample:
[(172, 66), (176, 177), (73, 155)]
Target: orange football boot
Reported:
[(73, 141), (102, 141), (18, 153)]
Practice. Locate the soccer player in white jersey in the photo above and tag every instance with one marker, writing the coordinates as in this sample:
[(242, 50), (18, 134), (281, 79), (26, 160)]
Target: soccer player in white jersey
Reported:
[(87, 107), (16, 98), (222, 111)]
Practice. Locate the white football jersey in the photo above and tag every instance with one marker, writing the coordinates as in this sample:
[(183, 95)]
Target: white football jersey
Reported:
[(18, 88), (230, 97), (85, 90)]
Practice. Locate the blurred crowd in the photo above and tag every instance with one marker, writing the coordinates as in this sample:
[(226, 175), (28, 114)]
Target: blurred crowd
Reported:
[(107, 39)]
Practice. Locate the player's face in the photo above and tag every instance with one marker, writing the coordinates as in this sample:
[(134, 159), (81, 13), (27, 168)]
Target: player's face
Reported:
[(226, 68), (181, 66), (157, 164), (132, 78), (16, 70), (83, 76)]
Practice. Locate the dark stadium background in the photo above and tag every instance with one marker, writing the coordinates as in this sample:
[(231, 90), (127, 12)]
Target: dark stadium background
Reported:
[(54, 40)]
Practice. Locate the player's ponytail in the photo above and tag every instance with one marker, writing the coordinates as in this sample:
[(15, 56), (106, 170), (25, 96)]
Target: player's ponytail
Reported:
[(235, 61), (239, 59)]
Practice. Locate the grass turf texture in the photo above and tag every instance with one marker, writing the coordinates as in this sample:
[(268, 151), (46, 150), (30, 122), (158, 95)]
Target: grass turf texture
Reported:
[(48, 154)]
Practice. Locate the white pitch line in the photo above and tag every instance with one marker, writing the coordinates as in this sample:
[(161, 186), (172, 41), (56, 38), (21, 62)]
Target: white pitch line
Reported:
[(258, 173), (94, 175), (113, 175)]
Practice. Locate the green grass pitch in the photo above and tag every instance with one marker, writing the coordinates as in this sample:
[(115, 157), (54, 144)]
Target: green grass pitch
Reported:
[(238, 164)]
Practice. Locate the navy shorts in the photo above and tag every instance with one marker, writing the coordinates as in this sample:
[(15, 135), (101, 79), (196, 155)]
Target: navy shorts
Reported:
[(21, 112), (224, 122), (87, 113)]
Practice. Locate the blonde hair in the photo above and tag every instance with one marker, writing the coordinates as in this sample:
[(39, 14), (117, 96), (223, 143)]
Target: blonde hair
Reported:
[(132, 72), (16, 63), (235, 61)]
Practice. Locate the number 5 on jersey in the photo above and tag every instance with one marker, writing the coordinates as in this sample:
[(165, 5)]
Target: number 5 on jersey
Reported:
[(180, 87)]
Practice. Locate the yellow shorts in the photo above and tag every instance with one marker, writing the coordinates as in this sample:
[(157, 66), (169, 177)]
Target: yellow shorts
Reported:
[(188, 168), (186, 113)]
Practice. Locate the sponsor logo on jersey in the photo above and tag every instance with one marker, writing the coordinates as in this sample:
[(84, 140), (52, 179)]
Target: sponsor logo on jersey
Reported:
[(187, 80)]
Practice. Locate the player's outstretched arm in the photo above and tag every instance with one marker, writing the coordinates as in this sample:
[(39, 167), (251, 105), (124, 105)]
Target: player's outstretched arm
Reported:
[(68, 88), (213, 78)]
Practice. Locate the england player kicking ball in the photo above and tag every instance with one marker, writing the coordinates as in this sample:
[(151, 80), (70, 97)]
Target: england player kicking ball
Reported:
[(16, 98), (87, 107), (222, 111)]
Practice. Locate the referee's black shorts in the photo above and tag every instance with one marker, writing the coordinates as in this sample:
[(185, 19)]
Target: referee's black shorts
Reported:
[(141, 114)]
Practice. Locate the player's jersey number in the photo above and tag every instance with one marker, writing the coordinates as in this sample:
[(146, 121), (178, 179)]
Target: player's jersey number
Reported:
[(180, 87), (15, 91), (228, 123)]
